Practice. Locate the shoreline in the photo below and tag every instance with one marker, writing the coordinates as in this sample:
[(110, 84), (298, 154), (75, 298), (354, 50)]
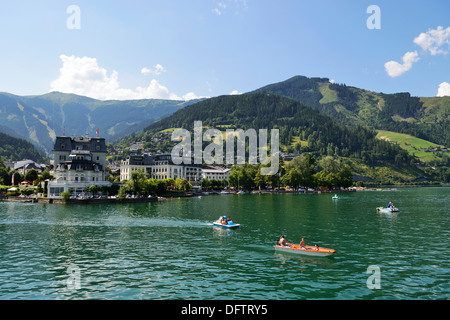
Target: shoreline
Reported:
[(190, 195), (80, 201)]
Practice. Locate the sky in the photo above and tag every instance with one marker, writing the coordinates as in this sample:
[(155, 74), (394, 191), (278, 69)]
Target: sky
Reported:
[(179, 49)]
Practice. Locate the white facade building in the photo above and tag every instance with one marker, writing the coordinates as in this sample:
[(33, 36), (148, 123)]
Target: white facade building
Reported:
[(77, 164), (161, 167), (216, 173)]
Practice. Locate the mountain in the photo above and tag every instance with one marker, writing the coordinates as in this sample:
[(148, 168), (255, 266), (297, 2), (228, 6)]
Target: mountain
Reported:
[(15, 149), (427, 118), (302, 128), (41, 118)]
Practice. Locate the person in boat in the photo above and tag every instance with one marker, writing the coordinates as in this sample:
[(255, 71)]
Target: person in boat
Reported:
[(222, 220), (228, 220), (390, 205), (282, 242), (302, 244), (316, 247)]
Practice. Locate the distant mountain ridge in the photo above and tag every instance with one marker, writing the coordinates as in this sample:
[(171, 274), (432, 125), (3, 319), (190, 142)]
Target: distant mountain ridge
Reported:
[(301, 128), (424, 117), (41, 118)]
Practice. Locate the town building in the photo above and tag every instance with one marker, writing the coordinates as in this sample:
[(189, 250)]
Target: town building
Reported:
[(77, 164), (161, 167), (135, 162), (217, 173), (24, 166)]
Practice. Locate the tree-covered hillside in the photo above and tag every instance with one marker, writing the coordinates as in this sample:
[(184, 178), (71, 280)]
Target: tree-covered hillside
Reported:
[(319, 134), (425, 118), (14, 149)]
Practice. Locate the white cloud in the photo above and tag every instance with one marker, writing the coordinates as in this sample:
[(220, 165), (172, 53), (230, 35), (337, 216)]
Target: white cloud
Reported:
[(236, 5), (444, 90), (234, 92), (83, 76), (395, 69), (157, 70), (192, 96), (436, 41)]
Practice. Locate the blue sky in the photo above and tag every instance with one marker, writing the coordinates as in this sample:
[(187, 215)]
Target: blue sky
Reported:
[(178, 49)]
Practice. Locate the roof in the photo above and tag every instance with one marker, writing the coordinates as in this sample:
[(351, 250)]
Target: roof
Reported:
[(216, 170), (94, 144), (27, 164)]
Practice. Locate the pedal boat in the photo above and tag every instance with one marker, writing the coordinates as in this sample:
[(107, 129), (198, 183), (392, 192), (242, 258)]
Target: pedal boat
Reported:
[(308, 250), (228, 225), (387, 210)]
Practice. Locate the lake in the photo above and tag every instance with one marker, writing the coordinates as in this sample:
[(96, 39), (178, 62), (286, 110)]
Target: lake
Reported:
[(170, 249)]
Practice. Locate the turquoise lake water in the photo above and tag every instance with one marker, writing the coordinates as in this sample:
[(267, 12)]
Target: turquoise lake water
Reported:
[(171, 250)]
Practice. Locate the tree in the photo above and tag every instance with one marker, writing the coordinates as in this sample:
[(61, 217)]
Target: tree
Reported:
[(46, 175), (136, 184), (18, 178), (206, 184), (321, 179), (150, 187), (291, 178), (27, 191), (243, 176), (121, 194), (161, 187), (93, 189), (259, 179), (170, 183), (329, 165), (273, 180), (216, 184), (66, 195), (31, 175), (185, 185), (345, 176), (305, 166), (5, 177), (179, 184)]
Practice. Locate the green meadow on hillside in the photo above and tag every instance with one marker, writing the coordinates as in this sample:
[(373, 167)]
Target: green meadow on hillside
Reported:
[(413, 145)]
